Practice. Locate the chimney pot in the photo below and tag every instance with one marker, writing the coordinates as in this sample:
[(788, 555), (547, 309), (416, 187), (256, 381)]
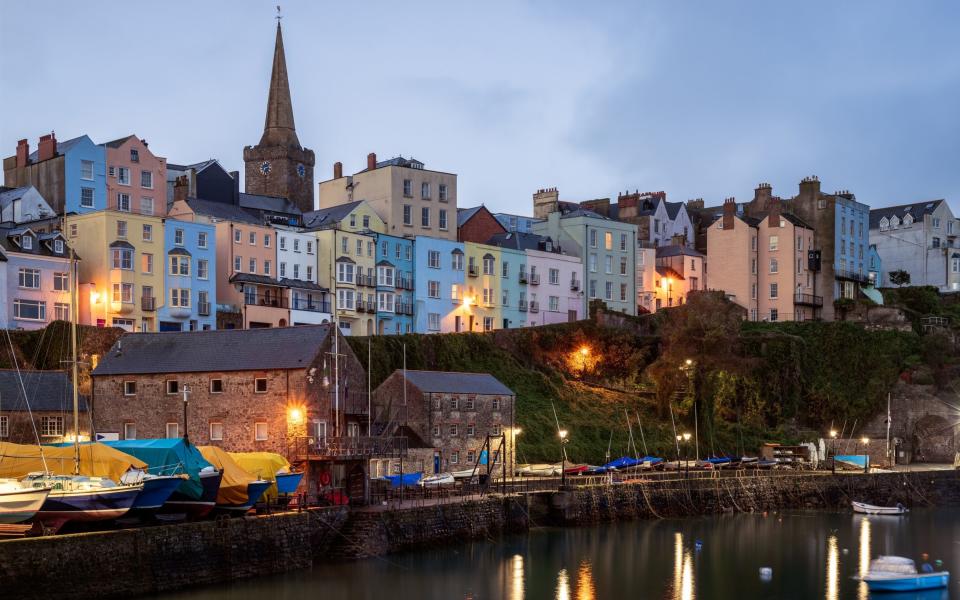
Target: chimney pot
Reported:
[(337, 170), (371, 161), (47, 147), (23, 153)]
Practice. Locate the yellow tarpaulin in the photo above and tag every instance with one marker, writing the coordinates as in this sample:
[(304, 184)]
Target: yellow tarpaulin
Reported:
[(96, 460), (266, 465), (233, 488)]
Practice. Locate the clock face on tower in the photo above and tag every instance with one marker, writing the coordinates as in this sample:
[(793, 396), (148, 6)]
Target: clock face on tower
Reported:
[(301, 170), (265, 167)]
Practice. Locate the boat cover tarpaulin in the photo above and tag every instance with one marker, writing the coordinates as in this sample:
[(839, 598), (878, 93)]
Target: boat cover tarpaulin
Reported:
[(233, 487), (265, 465), (96, 460), (169, 456), (407, 479)]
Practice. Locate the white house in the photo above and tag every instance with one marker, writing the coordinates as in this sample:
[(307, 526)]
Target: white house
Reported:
[(921, 239)]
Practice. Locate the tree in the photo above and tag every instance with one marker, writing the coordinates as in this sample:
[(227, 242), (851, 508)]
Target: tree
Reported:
[(899, 278)]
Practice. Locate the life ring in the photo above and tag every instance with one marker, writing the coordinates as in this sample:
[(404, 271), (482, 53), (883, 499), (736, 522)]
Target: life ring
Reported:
[(325, 478)]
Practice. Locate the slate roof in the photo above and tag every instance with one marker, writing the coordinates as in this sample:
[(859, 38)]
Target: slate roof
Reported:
[(222, 210), (673, 209), (195, 166), (62, 147), (119, 142), (465, 214), (46, 391), (521, 240), (217, 350), (399, 161), (668, 272), (667, 251), (328, 217), (795, 220), (39, 249), (582, 212), (917, 210), (269, 203), (8, 195), (456, 383), (254, 278), (301, 284)]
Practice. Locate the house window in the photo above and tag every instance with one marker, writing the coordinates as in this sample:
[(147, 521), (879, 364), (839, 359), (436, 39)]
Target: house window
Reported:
[(253, 265), (86, 170), (353, 220), (554, 276), (555, 302), (774, 266), (129, 388), (608, 290), (61, 311), (456, 260), (425, 190), (146, 205), (237, 236), (51, 426), (433, 259), (623, 265), (180, 297), (123, 176), (433, 289), (29, 278), (129, 431), (134, 155), (260, 431), (173, 430), (178, 237), (454, 457), (147, 233), (496, 404), (180, 265), (359, 247), (425, 216), (488, 323), (283, 270), (407, 188), (122, 258), (29, 310), (495, 430), (433, 321), (146, 180), (309, 247), (471, 430), (774, 242), (407, 215), (608, 240), (173, 386), (86, 197), (593, 238), (146, 263), (623, 242), (122, 229), (366, 221), (436, 431), (488, 265), (443, 218), (203, 269), (454, 430), (216, 431), (443, 192), (266, 269), (260, 385), (592, 262), (774, 291), (774, 314)]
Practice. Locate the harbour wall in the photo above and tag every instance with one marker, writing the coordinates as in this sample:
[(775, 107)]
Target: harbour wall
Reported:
[(131, 562)]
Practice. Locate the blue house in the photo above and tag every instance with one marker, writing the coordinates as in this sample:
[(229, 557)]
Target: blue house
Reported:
[(71, 176), (190, 271), (851, 245), (394, 284), (438, 275)]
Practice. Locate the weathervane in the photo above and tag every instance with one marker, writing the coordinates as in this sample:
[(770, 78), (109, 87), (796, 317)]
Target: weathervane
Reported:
[(279, 16)]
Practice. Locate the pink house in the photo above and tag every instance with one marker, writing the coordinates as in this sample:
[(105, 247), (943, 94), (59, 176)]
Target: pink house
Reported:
[(136, 178)]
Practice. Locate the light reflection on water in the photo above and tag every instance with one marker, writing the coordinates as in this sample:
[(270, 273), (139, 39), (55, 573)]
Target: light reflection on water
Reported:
[(810, 554)]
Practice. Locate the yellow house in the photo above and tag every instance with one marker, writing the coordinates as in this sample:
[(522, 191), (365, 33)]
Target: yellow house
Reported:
[(483, 286), (346, 262), (122, 263)]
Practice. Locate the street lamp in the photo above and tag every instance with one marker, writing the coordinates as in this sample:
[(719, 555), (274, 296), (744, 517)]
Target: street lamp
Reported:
[(186, 401), (563, 457), (686, 454), (866, 454), (679, 438), (584, 353), (833, 463)]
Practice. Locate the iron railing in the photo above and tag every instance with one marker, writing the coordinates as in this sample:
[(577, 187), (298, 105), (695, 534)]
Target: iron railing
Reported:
[(349, 447), (808, 299), (271, 300), (311, 305), (148, 303)]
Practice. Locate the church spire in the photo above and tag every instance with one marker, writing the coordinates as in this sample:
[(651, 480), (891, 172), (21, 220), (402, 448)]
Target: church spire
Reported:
[(278, 129)]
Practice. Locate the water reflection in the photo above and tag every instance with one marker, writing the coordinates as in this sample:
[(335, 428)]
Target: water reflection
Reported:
[(863, 567), (683, 582), (563, 585), (833, 569), (516, 577), (585, 587)]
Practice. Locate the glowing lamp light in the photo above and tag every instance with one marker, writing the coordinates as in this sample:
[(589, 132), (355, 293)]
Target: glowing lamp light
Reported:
[(517, 431), (295, 414), (563, 434), (94, 297), (467, 301), (686, 437), (584, 351), (833, 433), (865, 440), (689, 362)]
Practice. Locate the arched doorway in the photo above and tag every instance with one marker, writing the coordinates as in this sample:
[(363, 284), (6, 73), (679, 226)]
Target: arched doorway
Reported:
[(381, 327), (282, 323), (933, 440), (369, 326)]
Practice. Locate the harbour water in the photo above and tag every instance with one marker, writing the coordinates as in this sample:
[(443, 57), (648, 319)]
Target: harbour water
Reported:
[(811, 555)]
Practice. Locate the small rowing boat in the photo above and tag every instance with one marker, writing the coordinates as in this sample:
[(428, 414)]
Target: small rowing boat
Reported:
[(870, 509), (898, 574)]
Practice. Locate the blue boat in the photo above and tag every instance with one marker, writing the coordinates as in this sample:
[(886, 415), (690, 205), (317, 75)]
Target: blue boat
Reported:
[(255, 489), (287, 483), (84, 499), (184, 502), (156, 491), (405, 480), (898, 574)]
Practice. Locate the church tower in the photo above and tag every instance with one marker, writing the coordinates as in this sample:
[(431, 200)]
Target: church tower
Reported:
[(279, 165)]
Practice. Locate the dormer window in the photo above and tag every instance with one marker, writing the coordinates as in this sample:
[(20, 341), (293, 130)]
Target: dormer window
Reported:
[(26, 242), (58, 246), (884, 224), (134, 155), (907, 220), (894, 222)]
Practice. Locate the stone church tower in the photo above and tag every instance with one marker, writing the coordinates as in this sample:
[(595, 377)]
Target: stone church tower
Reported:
[(279, 165)]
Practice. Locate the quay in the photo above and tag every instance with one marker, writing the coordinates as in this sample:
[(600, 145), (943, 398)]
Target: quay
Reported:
[(147, 560)]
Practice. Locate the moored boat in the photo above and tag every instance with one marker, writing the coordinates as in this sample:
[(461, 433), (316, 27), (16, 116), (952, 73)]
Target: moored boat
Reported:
[(239, 489), (405, 480), (437, 480), (899, 574), (287, 483), (18, 502), (157, 489), (271, 467), (80, 498), (870, 509), (192, 503)]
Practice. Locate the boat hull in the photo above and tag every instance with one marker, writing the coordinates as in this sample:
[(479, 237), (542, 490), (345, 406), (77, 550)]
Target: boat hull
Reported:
[(156, 491), (88, 505), (21, 505), (255, 489), (869, 509), (908, 583), (287, 483), (195, 508)]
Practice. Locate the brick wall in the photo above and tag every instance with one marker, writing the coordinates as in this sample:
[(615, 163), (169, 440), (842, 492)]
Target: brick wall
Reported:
[(20, 427), (480, 228)]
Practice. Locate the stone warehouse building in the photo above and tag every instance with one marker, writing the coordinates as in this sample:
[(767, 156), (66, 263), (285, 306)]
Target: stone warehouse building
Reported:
[(41, 400), (452, 414), (274, 390)]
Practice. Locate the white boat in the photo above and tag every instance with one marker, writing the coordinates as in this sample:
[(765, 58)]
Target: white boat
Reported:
[(870, 509), (539, 470), (437, 480), (19, 502), (899, 574)]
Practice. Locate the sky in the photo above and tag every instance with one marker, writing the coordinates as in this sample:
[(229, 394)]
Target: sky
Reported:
[(699, 99)]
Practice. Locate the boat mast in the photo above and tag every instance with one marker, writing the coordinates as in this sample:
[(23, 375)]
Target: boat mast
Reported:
[(74, 317), (889, 458)]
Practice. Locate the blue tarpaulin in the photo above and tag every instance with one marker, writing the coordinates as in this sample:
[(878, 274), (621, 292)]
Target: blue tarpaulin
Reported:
[(405, 480), (168, 456), (859, 460)]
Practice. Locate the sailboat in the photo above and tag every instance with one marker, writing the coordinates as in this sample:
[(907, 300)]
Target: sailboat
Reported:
[(18, 502)]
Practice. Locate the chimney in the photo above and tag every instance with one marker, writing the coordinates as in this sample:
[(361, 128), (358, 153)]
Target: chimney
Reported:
[(371, 161), (338, 170), (729, 211), (47, 148), (181, 187), (23, 153), (761, 196), (773, 212), (545, 202), (809, 188), (695, 204), (678, 239)]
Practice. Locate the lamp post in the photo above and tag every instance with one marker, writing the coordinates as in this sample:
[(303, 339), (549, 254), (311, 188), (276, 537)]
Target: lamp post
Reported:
[(833, 461), (584, 353), (186, 401), (563, 457), (686, 453), (679, 439), (866, 454)]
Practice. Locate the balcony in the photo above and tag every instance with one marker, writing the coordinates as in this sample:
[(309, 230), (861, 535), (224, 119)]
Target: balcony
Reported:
[(404, 309), (311, 305), (271, 300), (345, 448), (366, 281), (574, 285), (404, 283), (808, 299), (203, 309), (534, 278), (473, 271), (534, 306), (522, 305), (523, 277), (148, 303), (851, 275)]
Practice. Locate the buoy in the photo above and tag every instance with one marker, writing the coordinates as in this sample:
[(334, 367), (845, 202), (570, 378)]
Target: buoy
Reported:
[(698, 545), (766, 573), (846, 551)]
